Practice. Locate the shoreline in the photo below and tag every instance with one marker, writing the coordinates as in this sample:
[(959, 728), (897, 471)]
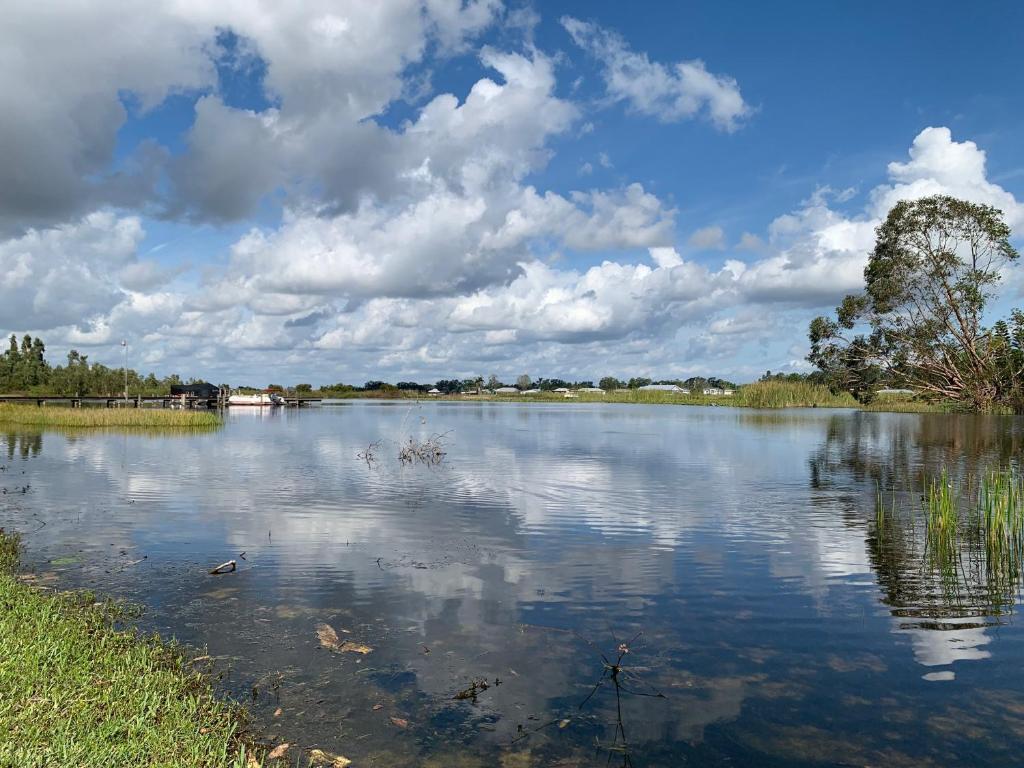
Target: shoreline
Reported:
[(80, 685)]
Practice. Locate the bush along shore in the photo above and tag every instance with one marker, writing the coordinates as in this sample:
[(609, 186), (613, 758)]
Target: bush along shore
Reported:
[(76, 689), (50, 416)]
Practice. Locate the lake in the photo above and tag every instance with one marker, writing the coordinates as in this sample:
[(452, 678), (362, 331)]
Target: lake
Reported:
[(570, 585)]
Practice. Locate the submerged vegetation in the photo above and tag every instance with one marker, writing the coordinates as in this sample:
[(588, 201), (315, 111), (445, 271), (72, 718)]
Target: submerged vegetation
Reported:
[(973, 534), (75, 689), (30, 415)]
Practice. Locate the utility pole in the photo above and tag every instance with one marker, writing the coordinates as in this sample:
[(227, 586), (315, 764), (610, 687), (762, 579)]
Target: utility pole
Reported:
[(124, 346)]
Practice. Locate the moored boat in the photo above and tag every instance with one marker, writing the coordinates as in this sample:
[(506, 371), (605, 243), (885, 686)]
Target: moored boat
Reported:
[(260, 400)]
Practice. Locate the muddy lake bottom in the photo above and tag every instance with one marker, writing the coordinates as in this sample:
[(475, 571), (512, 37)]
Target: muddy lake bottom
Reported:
[(571, 585)]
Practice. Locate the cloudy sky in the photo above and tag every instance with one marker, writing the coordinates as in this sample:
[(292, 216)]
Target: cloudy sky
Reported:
[(416, 189)]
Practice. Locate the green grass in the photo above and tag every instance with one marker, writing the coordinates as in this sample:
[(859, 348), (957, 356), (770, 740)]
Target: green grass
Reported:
[(61, 417), (904, 403), (942, 508), (77, 691), (792, 394)]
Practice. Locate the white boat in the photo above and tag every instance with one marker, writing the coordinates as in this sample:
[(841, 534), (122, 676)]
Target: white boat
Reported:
[(260, 400)]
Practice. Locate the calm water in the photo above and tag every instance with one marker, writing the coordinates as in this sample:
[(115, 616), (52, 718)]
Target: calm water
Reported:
[(735, 552)]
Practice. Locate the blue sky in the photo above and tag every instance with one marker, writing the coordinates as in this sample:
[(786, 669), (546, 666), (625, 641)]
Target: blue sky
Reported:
[(429, 188)]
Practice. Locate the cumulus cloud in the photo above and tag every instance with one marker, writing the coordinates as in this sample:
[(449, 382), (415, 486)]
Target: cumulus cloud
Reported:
[(708, 239), (460, 278), (670, 93), (62, 81), (65, 275), (424, 243), (147, 274), (70, 79)]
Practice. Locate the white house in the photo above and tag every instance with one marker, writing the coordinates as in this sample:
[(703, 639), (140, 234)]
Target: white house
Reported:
[(591, 390), (506, 391), (561, 389), (713, 391), (434, 392), (664, 388)]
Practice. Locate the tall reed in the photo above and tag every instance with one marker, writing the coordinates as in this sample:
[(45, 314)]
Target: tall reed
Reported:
[(61, 417), (791, 394)]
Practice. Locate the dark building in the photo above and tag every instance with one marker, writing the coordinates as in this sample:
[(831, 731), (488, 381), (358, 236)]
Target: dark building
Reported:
[(202, 389)]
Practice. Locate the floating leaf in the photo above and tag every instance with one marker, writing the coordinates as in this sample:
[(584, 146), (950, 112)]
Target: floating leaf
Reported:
[(278, 712), (278, 752), (378, 707), (329, 639), (327, 636), (401, 722), (319, 757), (351, 647), (564, 723)]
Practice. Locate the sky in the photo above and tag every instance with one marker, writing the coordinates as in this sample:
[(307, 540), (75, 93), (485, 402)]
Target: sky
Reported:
[(255, 192)]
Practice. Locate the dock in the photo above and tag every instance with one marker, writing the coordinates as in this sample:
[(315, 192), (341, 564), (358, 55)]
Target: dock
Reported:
[(141, 401)]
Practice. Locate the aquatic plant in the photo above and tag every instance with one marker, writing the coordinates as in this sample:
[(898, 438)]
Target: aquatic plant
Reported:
[(791, 394), (942, 506), (50, 416), (884, 513)]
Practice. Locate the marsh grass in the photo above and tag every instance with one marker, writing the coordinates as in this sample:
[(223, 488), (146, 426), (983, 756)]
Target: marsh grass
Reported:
[(894, 405), (792, 394), (78, 690), (885, 513), (133, 418)]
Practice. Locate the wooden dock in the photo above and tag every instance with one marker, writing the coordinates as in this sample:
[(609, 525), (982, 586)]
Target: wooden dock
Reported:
[(140, 401)]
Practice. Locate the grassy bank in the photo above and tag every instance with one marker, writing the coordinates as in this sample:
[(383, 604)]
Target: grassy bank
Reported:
[(76, 691), (56, 416)]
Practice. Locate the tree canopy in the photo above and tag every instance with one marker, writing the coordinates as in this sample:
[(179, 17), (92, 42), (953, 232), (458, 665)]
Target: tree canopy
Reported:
[(919, 321)]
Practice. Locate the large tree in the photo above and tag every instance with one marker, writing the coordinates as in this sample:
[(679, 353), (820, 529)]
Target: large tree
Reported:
[(919, 321)]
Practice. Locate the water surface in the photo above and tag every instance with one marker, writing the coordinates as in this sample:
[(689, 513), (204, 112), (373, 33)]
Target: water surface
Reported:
[(735, 553)]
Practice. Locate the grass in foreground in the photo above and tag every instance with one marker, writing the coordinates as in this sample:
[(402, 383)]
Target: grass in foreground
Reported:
[(76, 691), (51, 416)]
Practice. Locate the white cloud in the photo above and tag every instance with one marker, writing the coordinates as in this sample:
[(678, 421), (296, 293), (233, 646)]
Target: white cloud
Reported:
[(67, 73), (64, 276), (423, 247), (708, 239), (938, 164), (681, 91)]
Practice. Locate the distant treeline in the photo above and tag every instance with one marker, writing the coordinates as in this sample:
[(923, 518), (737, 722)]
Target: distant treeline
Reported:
[(523, 382), (25, 370)]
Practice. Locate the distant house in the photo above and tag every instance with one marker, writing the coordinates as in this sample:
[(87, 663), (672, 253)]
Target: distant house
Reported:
[(591, 390), (664, 388), (531, 392), (506, 391), (561, 389), (201, 390), (434, 392), (713, 391), (728, 391)]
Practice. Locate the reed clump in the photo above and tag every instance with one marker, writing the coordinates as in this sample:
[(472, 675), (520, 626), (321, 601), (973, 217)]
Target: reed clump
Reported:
[(69, 418), (792, 394)]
